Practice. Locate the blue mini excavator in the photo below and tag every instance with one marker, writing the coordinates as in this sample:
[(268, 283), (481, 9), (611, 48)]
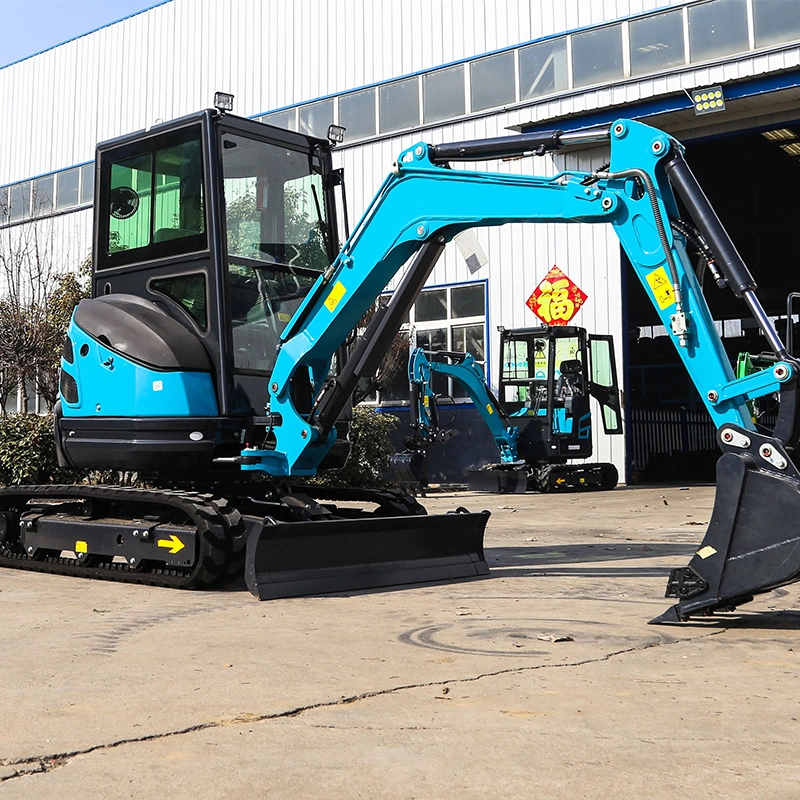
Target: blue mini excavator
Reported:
[(211, 359), (547, 377)]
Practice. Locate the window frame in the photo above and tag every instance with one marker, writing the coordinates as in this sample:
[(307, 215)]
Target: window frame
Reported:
[(449, 323), (185, 245)]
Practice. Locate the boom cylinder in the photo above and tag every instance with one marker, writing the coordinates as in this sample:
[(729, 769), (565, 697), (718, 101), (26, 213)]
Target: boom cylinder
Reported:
[(728, 259), (382, 329), (730, 262)]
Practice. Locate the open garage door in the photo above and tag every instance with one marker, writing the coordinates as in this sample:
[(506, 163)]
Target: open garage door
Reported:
[(751, 179)]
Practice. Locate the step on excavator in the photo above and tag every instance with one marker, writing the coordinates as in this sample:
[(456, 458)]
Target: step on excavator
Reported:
[(547, 377), (211, 360)]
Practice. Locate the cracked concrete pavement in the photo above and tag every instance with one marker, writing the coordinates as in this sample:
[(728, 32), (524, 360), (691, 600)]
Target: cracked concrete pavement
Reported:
[(541, 680)]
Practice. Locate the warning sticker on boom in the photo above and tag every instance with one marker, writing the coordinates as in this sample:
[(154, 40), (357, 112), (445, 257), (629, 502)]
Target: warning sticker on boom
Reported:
[(662, 288), (337, 293)]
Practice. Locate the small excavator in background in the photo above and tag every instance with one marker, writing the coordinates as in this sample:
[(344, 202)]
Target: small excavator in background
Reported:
[(211, 359), (547, 377)]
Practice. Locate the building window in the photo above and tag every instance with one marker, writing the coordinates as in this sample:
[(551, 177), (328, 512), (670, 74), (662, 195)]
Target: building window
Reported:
[(19, 201), (657, 43), (316, 118), (399, 105), (282, 119), (443, 94), (543, 69), (776, 21), (87, 183), (357, 114), (597, 56), (449, 318), (67, 188), (43, 195), (492, 81), (718, 29)]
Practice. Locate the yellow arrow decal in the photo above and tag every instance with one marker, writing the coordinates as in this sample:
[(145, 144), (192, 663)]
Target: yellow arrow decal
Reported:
[(173, 544)]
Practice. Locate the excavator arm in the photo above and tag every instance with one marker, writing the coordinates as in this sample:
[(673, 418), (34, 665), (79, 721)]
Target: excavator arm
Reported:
[(424, 203), (463, 368)]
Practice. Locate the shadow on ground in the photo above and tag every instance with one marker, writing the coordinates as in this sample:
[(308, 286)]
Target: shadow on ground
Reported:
[(543, 560)]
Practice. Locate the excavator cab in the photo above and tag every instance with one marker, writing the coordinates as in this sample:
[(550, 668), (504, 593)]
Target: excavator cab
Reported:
[(210, 232)]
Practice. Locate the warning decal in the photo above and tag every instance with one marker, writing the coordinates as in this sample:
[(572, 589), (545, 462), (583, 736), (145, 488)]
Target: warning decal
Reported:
[(337, 293), (662, 288)]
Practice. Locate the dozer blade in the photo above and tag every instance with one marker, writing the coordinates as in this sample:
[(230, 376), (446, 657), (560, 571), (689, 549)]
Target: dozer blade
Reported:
[(753, 540), (498, 481), (293, 559)]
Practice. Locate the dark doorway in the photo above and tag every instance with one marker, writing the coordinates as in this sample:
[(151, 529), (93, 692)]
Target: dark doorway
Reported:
[(750, 179)]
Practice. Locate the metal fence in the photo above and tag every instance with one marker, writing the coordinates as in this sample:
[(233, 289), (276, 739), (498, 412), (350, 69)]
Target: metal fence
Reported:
[(668, 431)]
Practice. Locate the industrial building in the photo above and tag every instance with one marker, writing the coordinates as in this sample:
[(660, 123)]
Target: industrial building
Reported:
[(722, 76)]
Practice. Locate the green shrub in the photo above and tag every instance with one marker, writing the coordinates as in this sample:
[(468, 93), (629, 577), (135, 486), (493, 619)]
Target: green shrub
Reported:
[(28, 451), (370, 451)]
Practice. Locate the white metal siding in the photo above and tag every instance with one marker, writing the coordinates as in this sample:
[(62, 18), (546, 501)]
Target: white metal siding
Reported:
[(168, 62)]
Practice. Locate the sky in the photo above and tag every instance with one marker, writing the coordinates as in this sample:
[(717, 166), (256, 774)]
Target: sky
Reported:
[(29, 26)]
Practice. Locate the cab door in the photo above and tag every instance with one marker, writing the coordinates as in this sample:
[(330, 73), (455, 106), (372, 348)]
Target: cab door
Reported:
[(603, 384)]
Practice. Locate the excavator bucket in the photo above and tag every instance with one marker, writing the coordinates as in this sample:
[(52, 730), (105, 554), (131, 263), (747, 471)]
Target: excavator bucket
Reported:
[(292, 559), (407, 470), (753, 540)]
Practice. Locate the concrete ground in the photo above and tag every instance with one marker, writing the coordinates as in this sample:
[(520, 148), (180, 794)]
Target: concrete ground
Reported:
[(541, 680)]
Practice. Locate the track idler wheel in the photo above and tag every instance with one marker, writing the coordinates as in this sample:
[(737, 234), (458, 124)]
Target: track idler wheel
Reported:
[(9, 528)]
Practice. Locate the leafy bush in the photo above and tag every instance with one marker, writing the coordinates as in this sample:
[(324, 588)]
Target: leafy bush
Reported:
[(370, 451), (28, 451)]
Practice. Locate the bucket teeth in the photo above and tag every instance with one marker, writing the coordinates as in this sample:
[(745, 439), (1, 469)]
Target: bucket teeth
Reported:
[(684, 583)]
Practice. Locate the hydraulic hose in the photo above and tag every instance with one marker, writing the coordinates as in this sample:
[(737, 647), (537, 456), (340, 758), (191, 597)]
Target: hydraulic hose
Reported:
[(679, 318), (706, 254)]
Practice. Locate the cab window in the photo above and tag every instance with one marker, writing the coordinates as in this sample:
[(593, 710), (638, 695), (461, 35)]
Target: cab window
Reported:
[(187, 291), (152, 205), (274, 204)]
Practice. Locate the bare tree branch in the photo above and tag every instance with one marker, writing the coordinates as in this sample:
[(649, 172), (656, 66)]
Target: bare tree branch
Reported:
[(395, 358), (38, 290)]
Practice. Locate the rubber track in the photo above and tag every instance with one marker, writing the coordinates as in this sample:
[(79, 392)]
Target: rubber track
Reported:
[(219, 526), (541, 478)]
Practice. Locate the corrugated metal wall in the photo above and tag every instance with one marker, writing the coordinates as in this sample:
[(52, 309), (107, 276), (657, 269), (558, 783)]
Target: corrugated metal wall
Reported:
[(168, 61)]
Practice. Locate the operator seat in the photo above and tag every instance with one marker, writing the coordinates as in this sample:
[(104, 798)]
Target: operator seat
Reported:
[(569, 383)]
